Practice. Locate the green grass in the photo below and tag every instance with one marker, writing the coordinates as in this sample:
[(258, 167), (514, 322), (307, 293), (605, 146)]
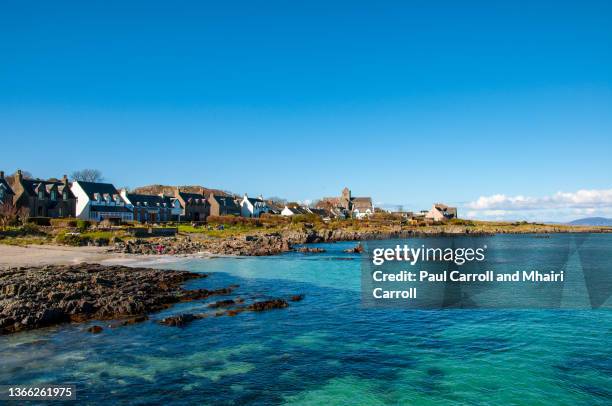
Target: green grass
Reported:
[(101, 234), (26, 240)]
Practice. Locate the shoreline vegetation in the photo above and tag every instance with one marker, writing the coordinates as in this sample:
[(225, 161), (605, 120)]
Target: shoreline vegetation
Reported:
[(268, 235)]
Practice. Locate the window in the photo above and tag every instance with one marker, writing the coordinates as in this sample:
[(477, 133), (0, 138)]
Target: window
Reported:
[(53, 195), (65, 195), (41, 194)]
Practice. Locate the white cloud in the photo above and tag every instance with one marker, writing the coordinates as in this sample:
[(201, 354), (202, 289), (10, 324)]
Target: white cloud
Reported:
[(579, 199), (560, 206)]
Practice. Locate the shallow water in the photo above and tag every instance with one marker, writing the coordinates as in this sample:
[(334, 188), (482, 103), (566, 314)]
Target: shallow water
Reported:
[(327, 348)]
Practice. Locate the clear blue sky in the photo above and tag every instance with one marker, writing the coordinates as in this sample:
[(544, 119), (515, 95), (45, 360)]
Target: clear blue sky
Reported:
[(409, 102)]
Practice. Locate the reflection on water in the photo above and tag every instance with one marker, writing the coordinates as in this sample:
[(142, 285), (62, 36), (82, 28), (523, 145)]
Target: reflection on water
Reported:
[(327, 348)]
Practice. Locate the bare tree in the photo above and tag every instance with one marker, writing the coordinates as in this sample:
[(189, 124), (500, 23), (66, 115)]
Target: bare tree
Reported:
[(278, 200), (10, 215), (88, 175)]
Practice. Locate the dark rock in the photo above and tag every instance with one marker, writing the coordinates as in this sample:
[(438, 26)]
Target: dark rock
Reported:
[(178, 321), (313, 250), (222, 303), (95, 329), (296, 298), (268, 305), (234, 312), (358, 249), (33, 297)]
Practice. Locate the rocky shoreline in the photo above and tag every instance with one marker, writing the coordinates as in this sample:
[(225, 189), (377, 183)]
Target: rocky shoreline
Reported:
[(265, 244), (35, 297), (261, 244)]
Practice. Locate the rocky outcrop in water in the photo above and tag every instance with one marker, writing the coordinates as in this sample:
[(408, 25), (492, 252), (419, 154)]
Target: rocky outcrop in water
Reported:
[(43, 296), (310, 250), (182, 320), (250, 245)]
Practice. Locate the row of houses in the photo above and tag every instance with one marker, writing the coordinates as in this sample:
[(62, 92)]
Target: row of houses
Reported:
[(98, 201)]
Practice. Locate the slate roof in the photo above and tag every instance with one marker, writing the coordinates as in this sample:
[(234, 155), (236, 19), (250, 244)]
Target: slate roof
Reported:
[(109, 209), (150, 200), (192, 198), (32, 186), (298, 210), (226, 201), (362, 202), (91, 188), (320, 212), (6, 186), (254, 200)]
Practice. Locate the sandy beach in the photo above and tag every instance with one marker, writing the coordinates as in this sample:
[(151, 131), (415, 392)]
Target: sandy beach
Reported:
[(35, 255)]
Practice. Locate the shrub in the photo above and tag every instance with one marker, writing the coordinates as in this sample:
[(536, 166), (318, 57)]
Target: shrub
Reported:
[(30, 228), (273, 219), (305, 218), (83, 225), (75, 240), (233, 220), (461, 222), (40, 221), (63, 223)]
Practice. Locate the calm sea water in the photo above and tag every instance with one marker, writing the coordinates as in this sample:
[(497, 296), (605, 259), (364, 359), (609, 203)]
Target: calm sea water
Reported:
[(327, 349)]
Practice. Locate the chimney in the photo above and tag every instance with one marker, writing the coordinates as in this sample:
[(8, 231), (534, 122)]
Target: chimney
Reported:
[(1, 174), (260, 196), (19, 174), (65, 180)]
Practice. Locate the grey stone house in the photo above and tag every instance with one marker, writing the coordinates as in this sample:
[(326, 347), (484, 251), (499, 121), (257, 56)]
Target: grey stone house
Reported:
[(223, 205), (44, 198), (193, 206)]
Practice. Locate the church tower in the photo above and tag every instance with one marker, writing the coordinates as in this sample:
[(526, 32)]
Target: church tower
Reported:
[(345, 199)]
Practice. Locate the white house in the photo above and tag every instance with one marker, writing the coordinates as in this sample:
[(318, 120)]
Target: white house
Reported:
[(99, 201), (292, 211), (441, 212), (253, 207), (362, 207)]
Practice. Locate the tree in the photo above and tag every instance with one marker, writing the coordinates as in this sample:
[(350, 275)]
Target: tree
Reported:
[(278, 200), (10, 215), (88, 175)]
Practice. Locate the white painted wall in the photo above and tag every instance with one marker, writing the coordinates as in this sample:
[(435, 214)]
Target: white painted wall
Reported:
[(286, 212), (82, 205)]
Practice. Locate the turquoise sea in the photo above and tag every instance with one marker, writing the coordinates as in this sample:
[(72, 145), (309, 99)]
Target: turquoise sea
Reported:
[(328, 349)]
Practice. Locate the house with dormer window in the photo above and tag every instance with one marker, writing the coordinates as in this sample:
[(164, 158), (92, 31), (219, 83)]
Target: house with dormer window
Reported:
[(100, 201), (44, 198), (188, 206), (223, 205), (148, 208), (253, 207)]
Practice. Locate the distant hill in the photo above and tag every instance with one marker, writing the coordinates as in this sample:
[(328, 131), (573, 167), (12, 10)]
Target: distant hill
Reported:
[(170, 190), (591, 221)]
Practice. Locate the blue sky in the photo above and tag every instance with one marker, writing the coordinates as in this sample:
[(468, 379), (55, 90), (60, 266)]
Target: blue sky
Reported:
[(409, 102)]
